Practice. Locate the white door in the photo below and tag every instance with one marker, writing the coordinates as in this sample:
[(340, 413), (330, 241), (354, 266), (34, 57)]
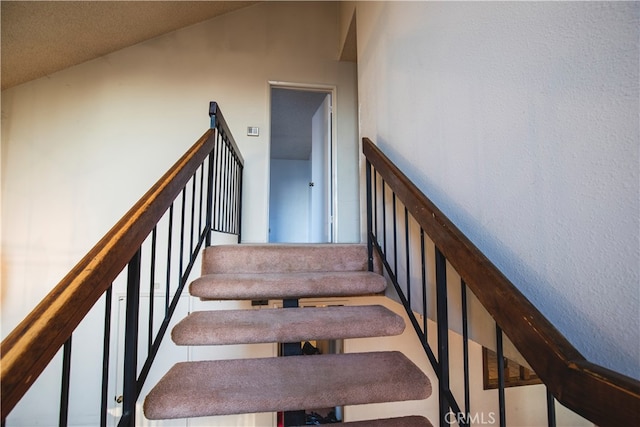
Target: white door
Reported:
[(320, 185)]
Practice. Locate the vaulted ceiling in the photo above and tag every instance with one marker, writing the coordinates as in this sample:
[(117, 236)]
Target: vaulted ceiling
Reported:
[(41, 37)]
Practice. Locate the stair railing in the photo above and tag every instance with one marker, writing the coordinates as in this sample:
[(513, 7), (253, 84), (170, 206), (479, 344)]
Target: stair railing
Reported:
[(201, 193), (399, 218)]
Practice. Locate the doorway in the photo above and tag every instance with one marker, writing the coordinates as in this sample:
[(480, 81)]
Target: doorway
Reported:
[(300, 197)]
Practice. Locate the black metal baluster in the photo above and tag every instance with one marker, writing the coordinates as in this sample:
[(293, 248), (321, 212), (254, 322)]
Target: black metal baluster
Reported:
[(369, 218), (230, 184), (236, 208), (210, 191), (201, 199), (169, 248), (239, 217), (236, 205), (229, 190), (64, 389), (551, 409), (224, 182), (234, 192), (395, 234), (222, 185), (384, 220), (375, 201), (193, 212), (224, 189), (182, 215), (218, 182), (129, 389), (105, 357), (424, 285), (443, 334), (230, 198), (214, 179), (500, 360), (465, 348), (237, 191), (234, 195), (407, 249), (152, 285)]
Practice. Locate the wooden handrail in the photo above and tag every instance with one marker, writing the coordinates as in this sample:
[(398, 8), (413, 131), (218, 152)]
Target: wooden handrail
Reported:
[(29, 348), (601, 395)]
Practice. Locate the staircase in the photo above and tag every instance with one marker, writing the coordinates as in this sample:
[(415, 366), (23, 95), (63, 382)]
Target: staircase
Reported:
[(292, 383)]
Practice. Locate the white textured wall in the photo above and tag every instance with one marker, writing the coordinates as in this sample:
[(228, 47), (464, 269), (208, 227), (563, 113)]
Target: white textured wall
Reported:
[(520, 120), (80, 146)]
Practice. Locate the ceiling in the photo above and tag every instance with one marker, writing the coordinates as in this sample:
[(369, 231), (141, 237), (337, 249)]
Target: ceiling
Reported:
[(41, 37)]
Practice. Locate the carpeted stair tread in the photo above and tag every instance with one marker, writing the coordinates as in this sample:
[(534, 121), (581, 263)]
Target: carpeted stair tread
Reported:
[(410, 421), (281, 258), (223, 387), (228, 286), (286, 325)]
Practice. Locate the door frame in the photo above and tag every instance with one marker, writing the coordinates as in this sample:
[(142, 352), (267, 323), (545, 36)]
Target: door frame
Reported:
[(311, 87)]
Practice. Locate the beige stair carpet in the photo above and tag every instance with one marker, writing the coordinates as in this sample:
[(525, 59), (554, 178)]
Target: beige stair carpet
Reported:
[(222, 387), (286, 325), (286, 285), (279, 258)]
